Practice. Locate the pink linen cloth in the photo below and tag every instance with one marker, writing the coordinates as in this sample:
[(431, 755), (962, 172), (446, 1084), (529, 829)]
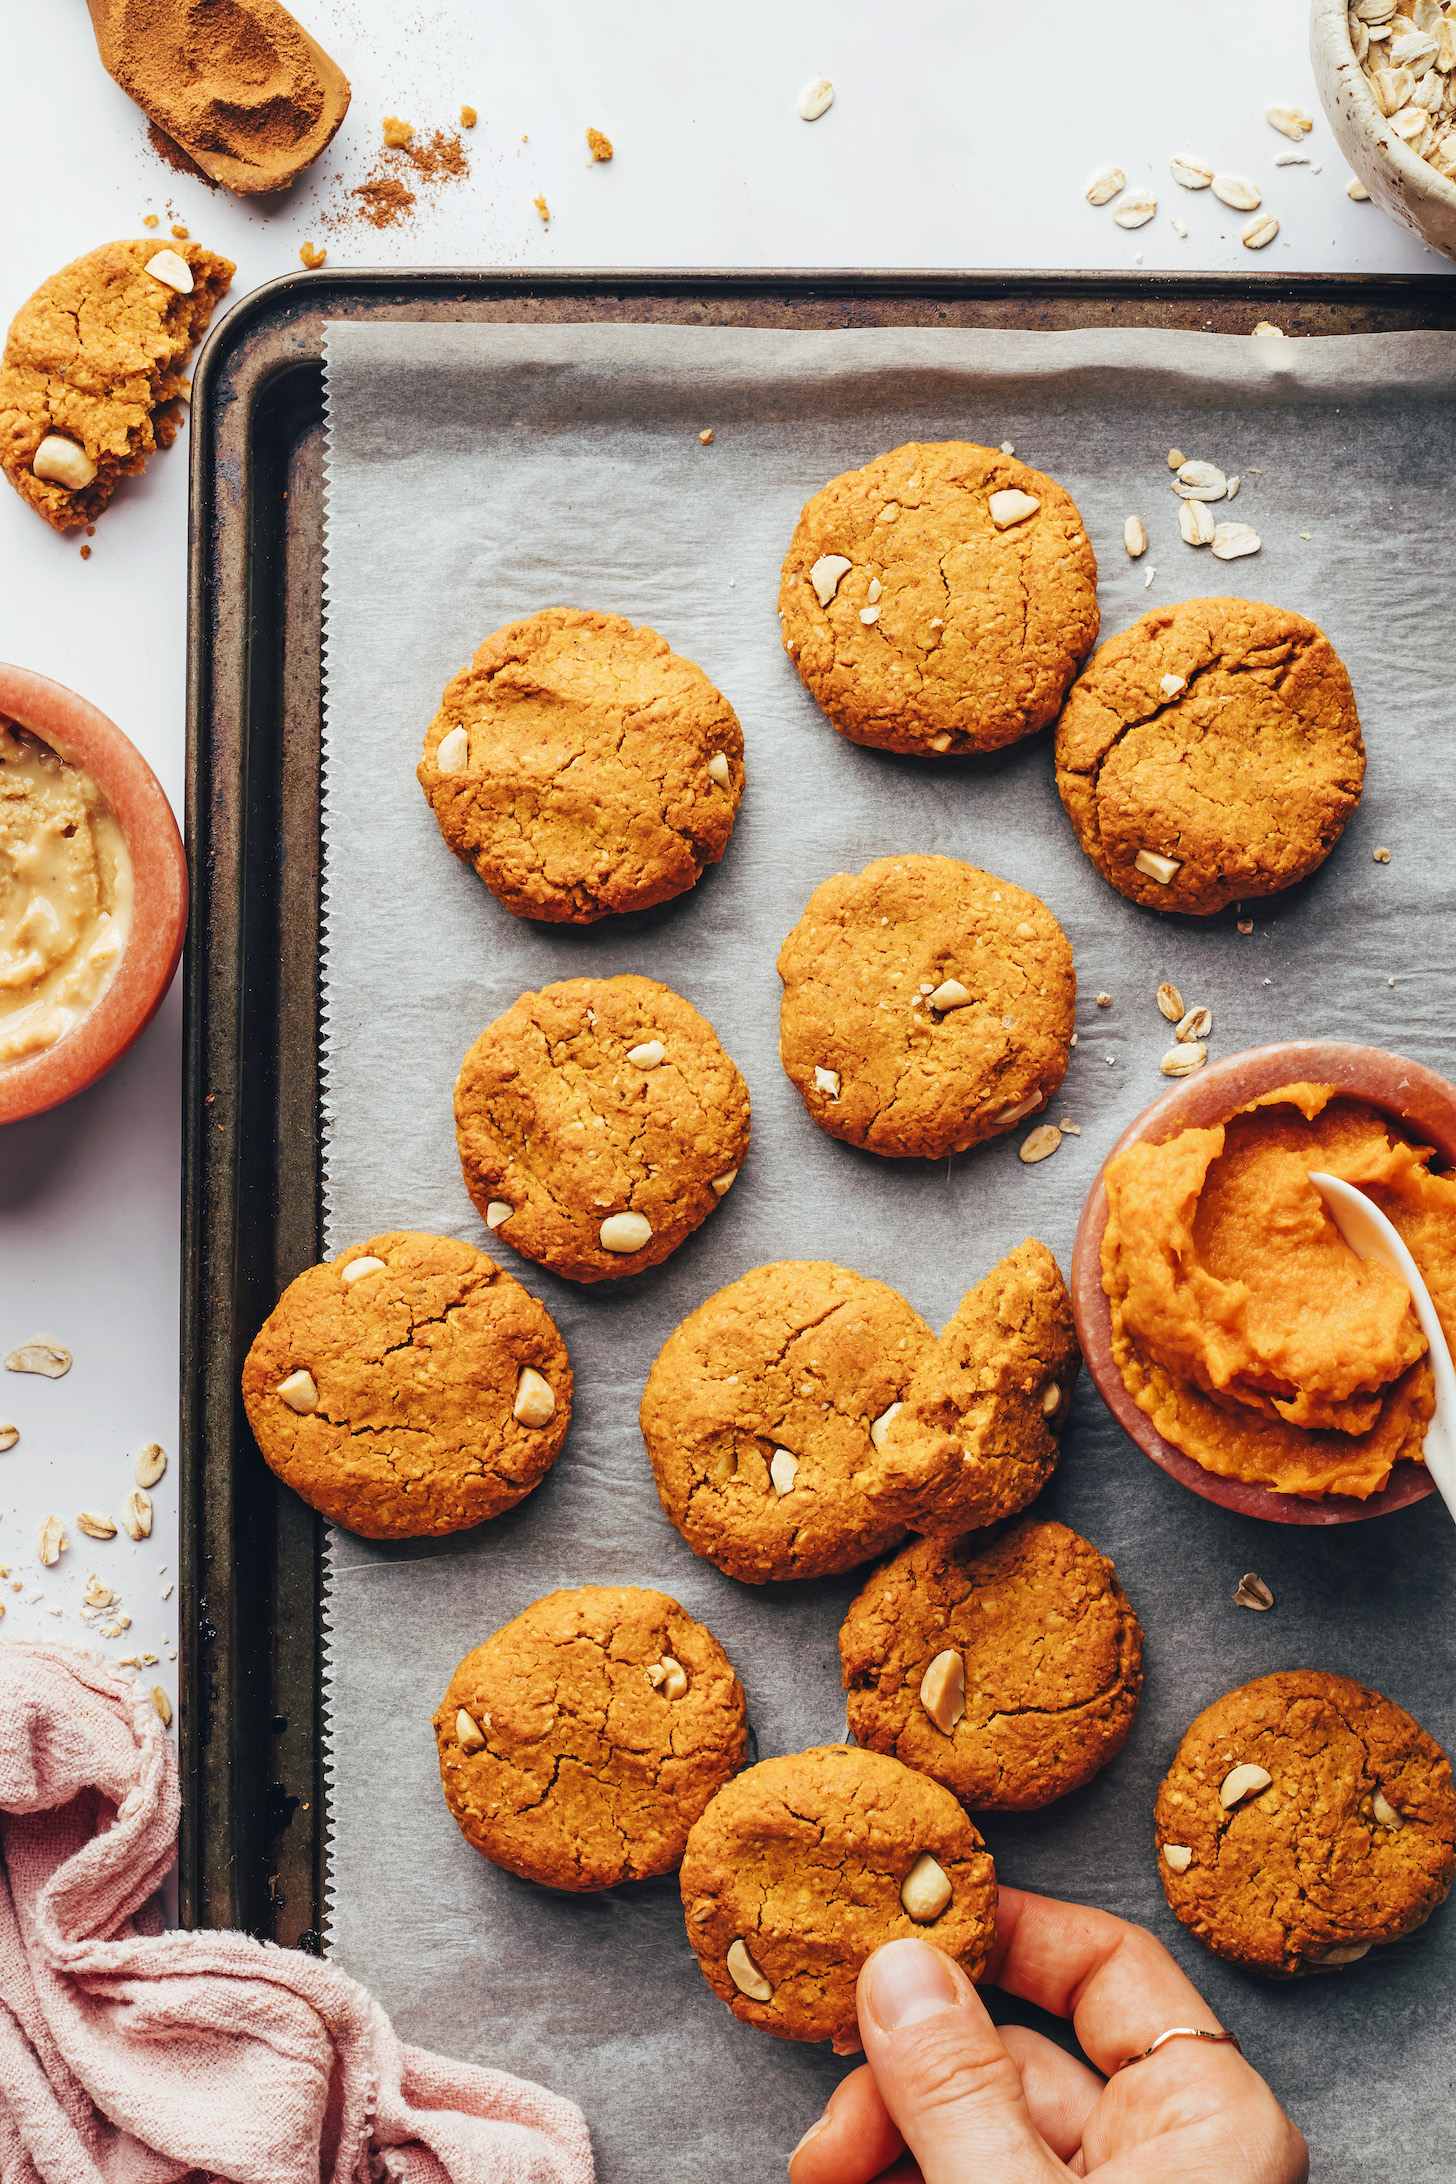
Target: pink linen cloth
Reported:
[(133, 2056)]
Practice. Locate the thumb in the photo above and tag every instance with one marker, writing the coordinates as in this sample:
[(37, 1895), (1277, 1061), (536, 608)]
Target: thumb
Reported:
[(953, 2091)]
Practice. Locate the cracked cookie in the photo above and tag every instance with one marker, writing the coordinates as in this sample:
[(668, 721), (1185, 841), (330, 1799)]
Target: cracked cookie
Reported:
[(976, 1437), (1009, 1672), (409, 1386), (91, 374), (1304, 1820), (579, 1744), (582, 767), (927, 1006), (599, 1122), (803, 1866), (940, 600), (1210, 754), (758, 1414)]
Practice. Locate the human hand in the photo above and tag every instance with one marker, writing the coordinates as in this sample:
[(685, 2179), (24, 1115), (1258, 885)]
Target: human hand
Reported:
[(946, 2098)]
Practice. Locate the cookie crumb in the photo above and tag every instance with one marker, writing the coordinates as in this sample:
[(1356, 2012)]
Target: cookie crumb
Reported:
[(1069, 1129), (601, 146), (397, 133), (540, 202), (1382, 855), (181, 234), (312, 258), (1246, 925), (85, 553), (149, 219), (468, 117), (705, 439), (1104, 1000)]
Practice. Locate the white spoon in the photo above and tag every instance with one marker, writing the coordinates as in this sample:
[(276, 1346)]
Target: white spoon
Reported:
[(1371, 1235)]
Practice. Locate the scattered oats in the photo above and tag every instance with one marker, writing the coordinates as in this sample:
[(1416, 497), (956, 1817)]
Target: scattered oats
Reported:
[(1040, 1143), (136, 1514), (1181, 1061), (1105, 185), (1170, 1001), (1135, 537), (1193, 173), (50, 1542), (1137, 257), (1196, 526), (1233, 488), (1176, 458), (1148, 580), (151, 1462), (1356, 189), (1291, 159), (1200, 482), (163, 1706), (1267, 326), (1197, 1024), (1291, 121), (1306, 534), (1260, 231), (1238, 192), (1069, 1129), (51, 1359), (1252, 1592), (1231, 541), (1104, 1000), (816, 98), (9, 1435), (55, 1611), (1178, 228), (1381, 855), (167, 1590), (32, 1598), (1135, 207), (94, 1526)]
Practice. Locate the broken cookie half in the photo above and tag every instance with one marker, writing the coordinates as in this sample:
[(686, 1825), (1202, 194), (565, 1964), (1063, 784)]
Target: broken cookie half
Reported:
[(977, 1435), (91, 380)]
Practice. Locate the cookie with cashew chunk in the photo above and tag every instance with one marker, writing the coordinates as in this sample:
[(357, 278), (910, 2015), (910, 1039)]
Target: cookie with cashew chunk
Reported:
[(91, 379), (599, 1122), (582, 767), (978, 1434), (803, 1866), (1304, 1821), (761, 1409), (1008, 1669), (1211, 754), (928, 1007), (408, 1386), (579, 1744), (940, 600)]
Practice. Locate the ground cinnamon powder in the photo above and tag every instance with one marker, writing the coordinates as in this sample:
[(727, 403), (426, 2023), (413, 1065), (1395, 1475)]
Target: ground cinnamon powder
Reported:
[(385, 200), (239, 85)]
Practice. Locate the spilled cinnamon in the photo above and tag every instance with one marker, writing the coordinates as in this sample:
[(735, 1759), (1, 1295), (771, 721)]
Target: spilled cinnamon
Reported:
[(239, 85)]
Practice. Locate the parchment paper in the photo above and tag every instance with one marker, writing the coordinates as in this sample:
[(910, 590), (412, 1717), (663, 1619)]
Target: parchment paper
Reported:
[(477, 473)]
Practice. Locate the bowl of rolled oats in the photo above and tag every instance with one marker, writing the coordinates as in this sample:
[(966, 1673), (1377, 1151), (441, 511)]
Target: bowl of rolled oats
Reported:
[(1386, 72)]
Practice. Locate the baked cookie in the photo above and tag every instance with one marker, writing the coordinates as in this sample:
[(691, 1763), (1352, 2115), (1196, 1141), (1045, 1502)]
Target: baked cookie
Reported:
[(1305, 1819), (1211, 754), (1009, 1672), (758, 1412), (976, 1437), (92, 371), (582, 767), (408, 1386), (599, 1122), (927, 1006), (803, 1866), (580, 1743), (940, 600)]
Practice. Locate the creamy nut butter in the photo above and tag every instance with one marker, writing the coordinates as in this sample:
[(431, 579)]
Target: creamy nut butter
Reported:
[(65, 894)]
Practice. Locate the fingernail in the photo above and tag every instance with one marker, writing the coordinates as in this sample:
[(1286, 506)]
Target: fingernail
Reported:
[(812, 2133), (908, 1980)]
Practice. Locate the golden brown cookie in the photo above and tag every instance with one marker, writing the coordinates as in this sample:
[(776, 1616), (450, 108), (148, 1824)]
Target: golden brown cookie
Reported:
[(599, 1122), (1010, 1672), (1304, 1820), (92, 371), (757, 1416), (1211, 753), (927, 1006), (408, 1386), (581, 767), (803, 1866), (976, 1437), (940, 600), (580, 1743)]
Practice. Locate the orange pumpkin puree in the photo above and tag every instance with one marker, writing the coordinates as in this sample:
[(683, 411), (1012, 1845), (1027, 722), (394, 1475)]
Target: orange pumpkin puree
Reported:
[(1243, 1324)]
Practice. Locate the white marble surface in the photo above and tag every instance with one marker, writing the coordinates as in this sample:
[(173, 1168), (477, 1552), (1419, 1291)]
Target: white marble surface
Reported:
[(961, 135)]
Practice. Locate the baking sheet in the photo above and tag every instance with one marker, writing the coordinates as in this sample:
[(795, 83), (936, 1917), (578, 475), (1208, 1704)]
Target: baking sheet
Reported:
[(479, 472)]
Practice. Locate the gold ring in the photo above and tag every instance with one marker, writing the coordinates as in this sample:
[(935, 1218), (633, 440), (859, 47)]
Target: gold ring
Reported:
[(1182, 2032)]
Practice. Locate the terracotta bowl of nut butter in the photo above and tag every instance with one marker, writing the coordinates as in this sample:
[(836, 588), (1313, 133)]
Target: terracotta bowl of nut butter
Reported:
[(1424, 1106), (93, 893)]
